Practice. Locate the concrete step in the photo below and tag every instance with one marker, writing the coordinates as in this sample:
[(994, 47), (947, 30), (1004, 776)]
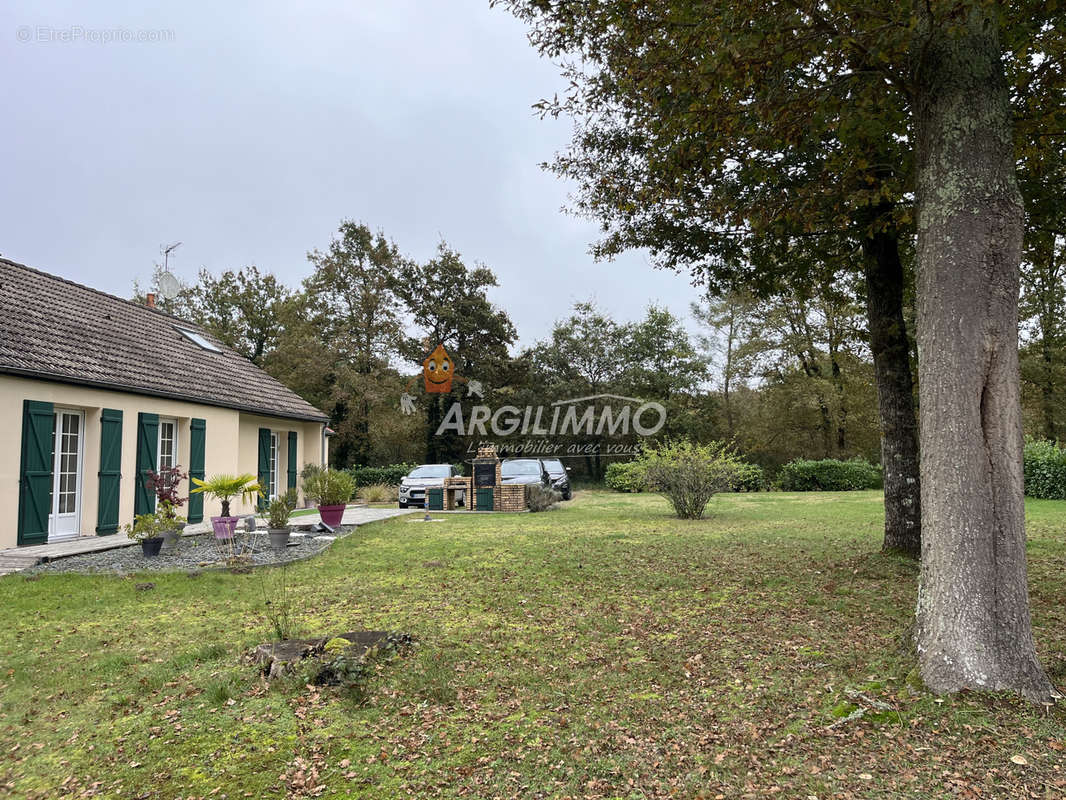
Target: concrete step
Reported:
[(15, 562)]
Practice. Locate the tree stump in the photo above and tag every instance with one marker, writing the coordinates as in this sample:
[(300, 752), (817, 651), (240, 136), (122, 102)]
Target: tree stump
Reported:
[(279, 658)]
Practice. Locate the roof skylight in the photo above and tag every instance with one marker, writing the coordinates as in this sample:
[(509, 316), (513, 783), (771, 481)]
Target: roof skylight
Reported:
[(198, 339)]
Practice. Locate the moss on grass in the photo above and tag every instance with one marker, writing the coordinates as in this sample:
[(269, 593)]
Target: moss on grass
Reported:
[(606, 649)]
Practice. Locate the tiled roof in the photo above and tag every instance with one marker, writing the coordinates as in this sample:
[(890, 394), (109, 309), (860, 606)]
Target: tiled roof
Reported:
[(56, 329)]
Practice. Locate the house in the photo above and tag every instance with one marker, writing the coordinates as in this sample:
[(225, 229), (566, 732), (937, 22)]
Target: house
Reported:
[(95, 390)]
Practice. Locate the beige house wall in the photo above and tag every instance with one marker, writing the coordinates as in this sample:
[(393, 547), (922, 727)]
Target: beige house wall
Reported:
[(231, 444), (308, 448)]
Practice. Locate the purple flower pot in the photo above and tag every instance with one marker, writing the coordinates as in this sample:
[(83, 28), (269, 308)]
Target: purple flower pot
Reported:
[(224, 526), (331, 515)]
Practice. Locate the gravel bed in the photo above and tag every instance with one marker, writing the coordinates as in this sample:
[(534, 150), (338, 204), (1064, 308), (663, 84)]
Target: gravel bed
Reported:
[(193, 553)]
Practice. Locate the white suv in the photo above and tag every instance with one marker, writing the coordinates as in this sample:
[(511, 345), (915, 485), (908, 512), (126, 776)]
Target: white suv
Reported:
[(413, 487)]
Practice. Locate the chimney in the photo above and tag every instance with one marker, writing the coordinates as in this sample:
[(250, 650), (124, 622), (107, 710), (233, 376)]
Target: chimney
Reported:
[(151, 299)]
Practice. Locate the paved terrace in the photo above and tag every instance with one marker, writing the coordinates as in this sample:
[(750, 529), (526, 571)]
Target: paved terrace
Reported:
[(13, 559)]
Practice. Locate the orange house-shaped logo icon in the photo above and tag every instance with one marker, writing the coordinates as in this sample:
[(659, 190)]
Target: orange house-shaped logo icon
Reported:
[(437, 371)]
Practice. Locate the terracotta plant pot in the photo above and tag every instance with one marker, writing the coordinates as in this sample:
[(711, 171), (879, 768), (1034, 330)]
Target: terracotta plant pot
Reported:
[(331, 515), (150, 547), (224, 526), (279, 538)]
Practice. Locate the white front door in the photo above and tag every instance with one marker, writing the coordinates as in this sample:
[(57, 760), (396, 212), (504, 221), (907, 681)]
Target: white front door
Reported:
[(65, 519)]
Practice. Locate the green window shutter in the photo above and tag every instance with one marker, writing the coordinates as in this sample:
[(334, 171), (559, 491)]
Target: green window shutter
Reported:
[(147, 452), (264, 464), (110, 473), (35, 472), (197, 442), (291, 450)]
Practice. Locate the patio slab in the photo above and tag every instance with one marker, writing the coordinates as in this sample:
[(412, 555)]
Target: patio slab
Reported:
[(353, 515)]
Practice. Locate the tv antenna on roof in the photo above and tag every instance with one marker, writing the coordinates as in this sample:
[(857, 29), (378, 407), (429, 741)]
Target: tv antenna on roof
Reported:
[(166, 251), (166, 283)]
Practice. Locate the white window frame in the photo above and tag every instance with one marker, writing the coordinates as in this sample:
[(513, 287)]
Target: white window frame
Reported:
[(275, 452), (159, 443), (79, 475)]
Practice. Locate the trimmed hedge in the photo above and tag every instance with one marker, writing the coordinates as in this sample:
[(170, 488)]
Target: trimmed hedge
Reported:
[(829, 475), (390, 475), (625, 476), (1045, 470)]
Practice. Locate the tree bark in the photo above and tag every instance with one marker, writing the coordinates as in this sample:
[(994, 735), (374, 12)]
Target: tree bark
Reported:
[(974, 627), (895, 392)]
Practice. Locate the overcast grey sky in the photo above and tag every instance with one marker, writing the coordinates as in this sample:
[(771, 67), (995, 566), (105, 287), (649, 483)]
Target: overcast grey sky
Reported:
[(249, 130)]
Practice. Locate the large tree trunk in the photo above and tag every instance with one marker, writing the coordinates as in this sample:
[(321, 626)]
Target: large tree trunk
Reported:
[(895, 392), (973, 608)]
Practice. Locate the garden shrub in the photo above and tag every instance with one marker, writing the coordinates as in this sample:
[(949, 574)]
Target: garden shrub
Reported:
[(330, 487), (748, 478), (278, 510), (1045, 470), (625, 476), (689, 474), (828, 475), (390, 475), (540, 498), (309, 474), (378, 493)]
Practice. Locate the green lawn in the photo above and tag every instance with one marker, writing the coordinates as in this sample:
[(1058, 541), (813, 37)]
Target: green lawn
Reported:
[(602, 650)]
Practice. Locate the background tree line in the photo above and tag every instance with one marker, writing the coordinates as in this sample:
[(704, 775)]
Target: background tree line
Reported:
[(786, 374)]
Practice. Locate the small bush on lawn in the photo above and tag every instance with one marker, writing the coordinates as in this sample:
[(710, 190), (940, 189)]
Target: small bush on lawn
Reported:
[(1045, 470), (625, 476), (829, 475), (378, 493), (748, 478), (689, 474), (539, 498)]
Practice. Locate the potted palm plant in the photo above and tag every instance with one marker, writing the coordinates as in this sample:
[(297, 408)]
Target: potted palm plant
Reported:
[(165, 484), (277, 513), (147, 529), (224, 488), (330, 490)]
